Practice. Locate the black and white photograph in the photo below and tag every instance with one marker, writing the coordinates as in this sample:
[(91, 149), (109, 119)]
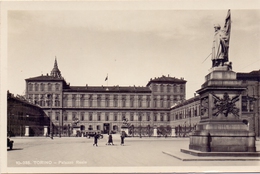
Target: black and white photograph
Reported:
[(130, 86)]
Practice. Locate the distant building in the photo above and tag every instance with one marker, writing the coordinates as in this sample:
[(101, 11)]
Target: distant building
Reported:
[(251, 99), (22, 114), (104, 108)]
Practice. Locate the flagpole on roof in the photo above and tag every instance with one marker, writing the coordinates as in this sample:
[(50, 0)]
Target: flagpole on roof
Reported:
[(106, 79)]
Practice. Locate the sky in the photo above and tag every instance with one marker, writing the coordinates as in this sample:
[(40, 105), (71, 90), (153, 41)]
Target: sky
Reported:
[(131, 46)]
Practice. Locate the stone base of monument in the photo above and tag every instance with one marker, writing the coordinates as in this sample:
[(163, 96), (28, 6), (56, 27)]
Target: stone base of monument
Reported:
[(220, 154), (222, 136), (221, 131), (75, 129)]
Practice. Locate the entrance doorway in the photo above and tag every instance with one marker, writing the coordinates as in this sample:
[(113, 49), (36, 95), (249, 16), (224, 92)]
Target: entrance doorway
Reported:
[(106, 128)]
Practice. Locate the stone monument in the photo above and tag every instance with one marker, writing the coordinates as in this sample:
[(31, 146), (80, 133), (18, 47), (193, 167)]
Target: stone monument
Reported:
[(75, 127), (125, 126), (220, 128)]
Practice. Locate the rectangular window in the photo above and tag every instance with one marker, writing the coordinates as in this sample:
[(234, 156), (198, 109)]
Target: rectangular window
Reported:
[(155, 117), (123, 103), (99, 116), (168, 103), (168, 88), (57, 87), (139, 116), (82, 100), (107, 100), (162, 117), (57, 116), (131, 101), (49, 87), (36, 86), (140, 98), (115, 116), (131, 116), (42, 87), (82, 115), (90, 116), (115, 103), (123, 116), (73, 100), (98, 100), (30, 87), (74, 116), (155, 102), (115, 100), (148, 118), (168, 117), (161, 102), (161, 88), (181, 89), (90, 100), (107, 116), (65, 116)]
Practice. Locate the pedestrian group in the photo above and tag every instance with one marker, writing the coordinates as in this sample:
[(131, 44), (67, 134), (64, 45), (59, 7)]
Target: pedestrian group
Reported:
[(110, 139)]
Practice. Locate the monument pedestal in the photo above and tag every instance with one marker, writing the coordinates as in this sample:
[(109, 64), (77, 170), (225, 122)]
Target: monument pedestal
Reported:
[(125, 129), (75, 129), (220, 128)]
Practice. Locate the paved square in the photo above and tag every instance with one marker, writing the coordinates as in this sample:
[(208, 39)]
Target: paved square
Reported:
[(80, 152)]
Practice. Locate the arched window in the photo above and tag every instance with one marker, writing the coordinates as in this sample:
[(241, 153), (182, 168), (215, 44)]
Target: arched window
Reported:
[(82, 127)]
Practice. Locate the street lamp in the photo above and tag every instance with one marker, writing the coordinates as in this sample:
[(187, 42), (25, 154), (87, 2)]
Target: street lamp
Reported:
[(140, 119), (49, 96)]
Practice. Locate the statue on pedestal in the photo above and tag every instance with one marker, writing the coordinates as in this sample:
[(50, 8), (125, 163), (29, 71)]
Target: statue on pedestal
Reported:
[(221, 44), (75, 122)]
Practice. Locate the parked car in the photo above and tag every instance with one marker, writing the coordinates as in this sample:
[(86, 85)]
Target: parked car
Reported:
[(10, 143), (92, 133)]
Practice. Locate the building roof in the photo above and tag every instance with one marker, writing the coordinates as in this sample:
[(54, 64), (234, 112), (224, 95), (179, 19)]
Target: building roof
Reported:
[(168, 80), (20, 99), (45, 78), (186, 102), (108, 89), (54, 76), (252, 76)]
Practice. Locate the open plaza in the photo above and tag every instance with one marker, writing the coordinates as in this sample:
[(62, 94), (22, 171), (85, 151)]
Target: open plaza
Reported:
[(136, 152)]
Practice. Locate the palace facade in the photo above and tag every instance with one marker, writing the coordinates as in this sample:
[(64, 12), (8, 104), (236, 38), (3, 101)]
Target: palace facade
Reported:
[(104, 108)]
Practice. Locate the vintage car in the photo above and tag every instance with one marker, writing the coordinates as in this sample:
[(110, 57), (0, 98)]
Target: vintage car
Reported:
[(10, 143), (92, 133)]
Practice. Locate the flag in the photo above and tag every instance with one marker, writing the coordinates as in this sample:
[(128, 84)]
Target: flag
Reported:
[(106, 78), (227, 29), (227, 26)]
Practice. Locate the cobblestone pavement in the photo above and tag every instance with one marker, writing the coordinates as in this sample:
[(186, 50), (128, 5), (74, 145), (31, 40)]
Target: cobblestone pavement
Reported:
[(79, 152)]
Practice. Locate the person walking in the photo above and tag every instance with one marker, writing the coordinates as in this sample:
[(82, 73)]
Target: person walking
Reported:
[(95, 139), (110, 139), (122, 138)]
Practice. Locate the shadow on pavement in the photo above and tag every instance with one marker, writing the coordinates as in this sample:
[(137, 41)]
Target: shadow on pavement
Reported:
[(15, 149)]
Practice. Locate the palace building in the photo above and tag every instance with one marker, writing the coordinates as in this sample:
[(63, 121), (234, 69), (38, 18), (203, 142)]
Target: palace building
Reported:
[(104, 108)]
